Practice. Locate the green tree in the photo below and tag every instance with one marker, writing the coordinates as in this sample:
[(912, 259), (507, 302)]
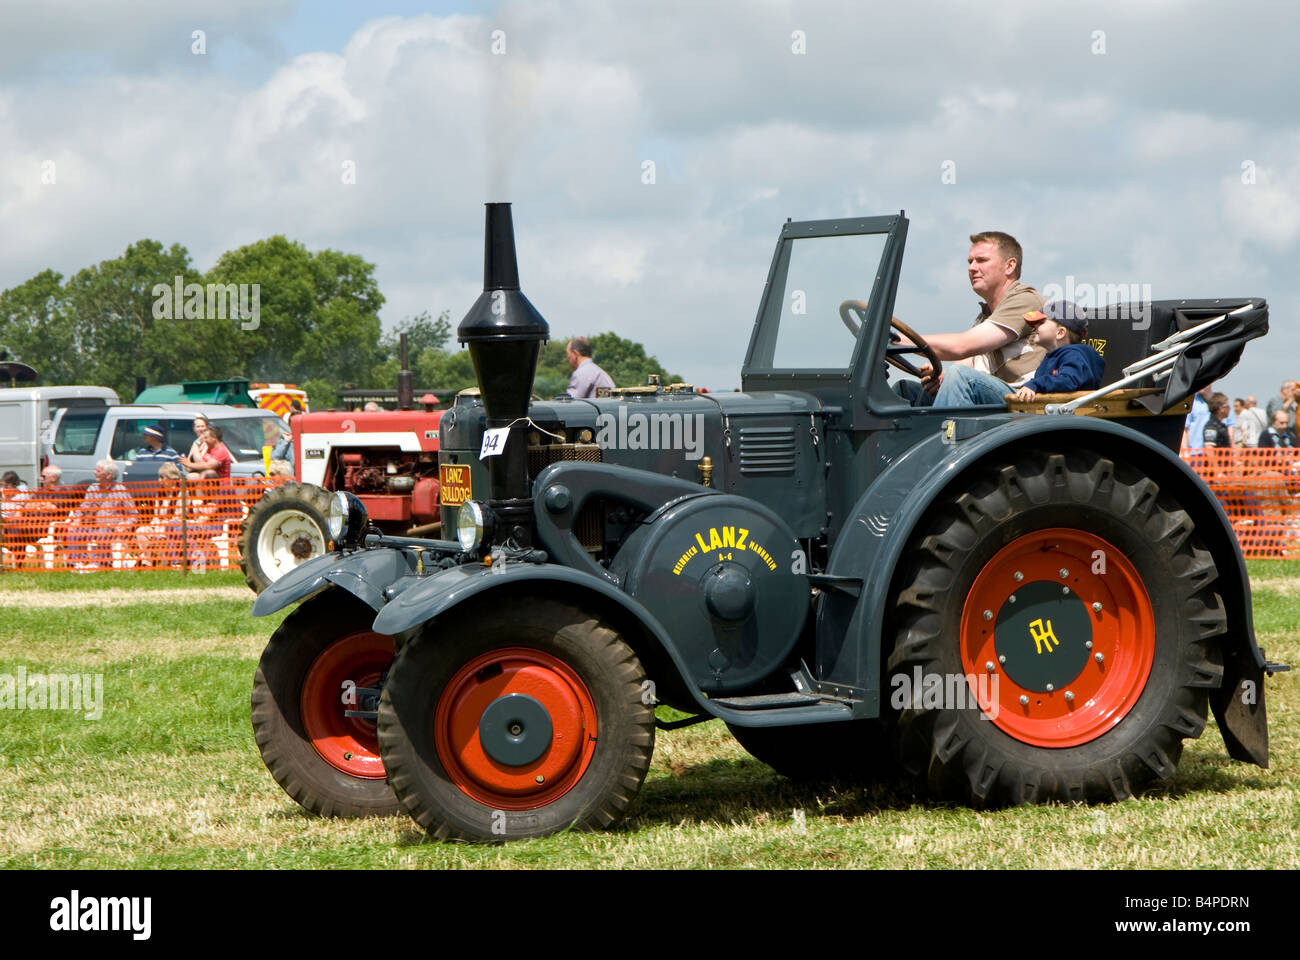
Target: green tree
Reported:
[(36, 327), (319, 313), (120, 335)]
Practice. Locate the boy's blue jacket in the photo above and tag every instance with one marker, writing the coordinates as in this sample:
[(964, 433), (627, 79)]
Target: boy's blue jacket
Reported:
[(1075, 366)]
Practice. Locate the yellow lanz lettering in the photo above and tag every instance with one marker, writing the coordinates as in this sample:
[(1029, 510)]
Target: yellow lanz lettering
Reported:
[(684, 559), (1043, 637), (740, 544), (762, 554)]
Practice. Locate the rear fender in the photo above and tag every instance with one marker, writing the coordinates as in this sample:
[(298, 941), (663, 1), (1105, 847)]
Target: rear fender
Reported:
[(363, 573), (871, 546)]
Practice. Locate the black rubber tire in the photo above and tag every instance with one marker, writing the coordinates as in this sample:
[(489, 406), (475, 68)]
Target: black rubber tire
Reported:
[(606, 665), (856, 750), (305, 498), (959, 754), (278, 729)]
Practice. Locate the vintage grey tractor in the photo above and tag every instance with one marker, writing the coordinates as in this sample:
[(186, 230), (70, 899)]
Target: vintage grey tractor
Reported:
[(1019, 604)]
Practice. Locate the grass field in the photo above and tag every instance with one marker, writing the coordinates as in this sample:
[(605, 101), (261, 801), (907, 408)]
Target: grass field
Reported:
[(169, 776)]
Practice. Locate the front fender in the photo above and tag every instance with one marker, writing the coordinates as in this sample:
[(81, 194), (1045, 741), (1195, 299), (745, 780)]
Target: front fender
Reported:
[(437, 595), (364, 573), (884, 519)]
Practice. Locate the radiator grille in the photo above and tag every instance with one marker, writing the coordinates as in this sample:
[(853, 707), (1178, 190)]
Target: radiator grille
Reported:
[(766, 450), (589, 525)]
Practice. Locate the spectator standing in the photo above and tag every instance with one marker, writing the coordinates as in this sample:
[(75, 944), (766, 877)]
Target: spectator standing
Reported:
[(1279, 434), (1216, 433), (1251, 423), (1194, 425), (1285, 400), (586, 377)]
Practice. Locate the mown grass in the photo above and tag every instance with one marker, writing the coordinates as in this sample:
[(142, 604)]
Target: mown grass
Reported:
[(170, 776)]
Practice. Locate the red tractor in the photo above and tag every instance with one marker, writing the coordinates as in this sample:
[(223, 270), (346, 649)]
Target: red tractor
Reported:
[(388, 458)]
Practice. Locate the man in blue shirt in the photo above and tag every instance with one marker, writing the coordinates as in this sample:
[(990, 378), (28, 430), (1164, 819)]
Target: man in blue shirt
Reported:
[(155, 448), (1194, 425)]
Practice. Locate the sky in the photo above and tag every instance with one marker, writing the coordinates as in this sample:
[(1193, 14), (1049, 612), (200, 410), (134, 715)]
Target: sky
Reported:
[(1153, 144)]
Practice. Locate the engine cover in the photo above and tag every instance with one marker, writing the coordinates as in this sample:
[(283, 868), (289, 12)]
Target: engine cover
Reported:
[(719, 572)]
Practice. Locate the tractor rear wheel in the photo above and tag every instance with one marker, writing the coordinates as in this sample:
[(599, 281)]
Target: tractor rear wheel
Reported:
[(856, 750), (317, 667), (1055, 625), (516, 723), (285, 528)]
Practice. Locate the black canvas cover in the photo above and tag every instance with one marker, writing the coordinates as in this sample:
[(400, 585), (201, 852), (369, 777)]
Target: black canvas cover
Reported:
[(1208, 356)]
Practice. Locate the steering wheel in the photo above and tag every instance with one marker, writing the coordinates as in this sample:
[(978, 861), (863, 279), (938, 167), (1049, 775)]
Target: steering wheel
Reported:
[(895, 351)]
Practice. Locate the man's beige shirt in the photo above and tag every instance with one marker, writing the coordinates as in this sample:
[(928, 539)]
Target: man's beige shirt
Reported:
[(1016, 362)]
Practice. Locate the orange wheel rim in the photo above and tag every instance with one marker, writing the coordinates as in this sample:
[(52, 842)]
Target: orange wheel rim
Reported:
[(1058, 637), (515, 728), (349, 744)]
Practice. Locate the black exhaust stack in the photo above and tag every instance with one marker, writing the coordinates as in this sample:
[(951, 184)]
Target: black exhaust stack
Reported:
[(504, 334)]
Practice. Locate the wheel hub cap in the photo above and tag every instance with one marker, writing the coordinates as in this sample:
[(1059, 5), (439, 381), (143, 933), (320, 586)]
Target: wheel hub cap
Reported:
[(1043, 637), (515, 728), (1062, 625), (349, 744)]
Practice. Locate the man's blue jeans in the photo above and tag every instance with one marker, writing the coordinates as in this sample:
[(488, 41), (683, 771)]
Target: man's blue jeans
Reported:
[(961, 387)]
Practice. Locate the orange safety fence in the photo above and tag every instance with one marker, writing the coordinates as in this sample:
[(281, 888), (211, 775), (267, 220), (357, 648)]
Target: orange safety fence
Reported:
[(1259, 489), (172, 525)]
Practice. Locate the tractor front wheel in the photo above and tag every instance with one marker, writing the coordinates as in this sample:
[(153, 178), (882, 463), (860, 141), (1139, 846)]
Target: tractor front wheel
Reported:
[(323, 663), (1055, 635), (516, 723)]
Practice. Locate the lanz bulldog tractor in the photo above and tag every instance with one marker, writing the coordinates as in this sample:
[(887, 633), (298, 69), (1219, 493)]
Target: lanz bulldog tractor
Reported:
[(1020, 606)]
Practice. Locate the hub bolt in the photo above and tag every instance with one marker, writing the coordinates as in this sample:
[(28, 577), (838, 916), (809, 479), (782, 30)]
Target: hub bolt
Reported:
[(1069, 696), (1050, 688), (1065, 590), (1099, 658), (1024, 700), (1064, 573), (1019, 576), (1002, 658), (540, 778), (988, 666), (1011, 599), (515, 729), (988, 614), (1087, 644), (1096, 606)]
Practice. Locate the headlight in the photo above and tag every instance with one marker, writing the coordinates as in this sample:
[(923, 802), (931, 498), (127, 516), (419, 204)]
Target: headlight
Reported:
[(473, 525), (347, 518)]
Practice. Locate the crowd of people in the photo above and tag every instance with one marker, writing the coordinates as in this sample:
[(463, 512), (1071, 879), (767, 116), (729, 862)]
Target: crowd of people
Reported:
[(1216, 422), (153, 524)]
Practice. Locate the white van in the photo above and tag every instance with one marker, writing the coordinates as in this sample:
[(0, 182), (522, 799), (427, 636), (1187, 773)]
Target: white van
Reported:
[(26, 423)]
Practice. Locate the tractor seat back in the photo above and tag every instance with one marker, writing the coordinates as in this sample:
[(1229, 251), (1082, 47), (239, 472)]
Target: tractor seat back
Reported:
[(1123, 333)]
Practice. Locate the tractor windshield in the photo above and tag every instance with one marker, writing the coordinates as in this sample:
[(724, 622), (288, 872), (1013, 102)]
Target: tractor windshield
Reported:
[(820, 289)]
